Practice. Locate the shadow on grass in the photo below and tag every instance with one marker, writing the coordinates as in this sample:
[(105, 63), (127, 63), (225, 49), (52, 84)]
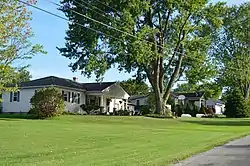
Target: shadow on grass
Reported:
[(220, 122), (237, 146), (16, 116)]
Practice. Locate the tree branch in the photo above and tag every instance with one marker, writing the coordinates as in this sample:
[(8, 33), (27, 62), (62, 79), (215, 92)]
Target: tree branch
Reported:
[(166, 24), (173, 76)]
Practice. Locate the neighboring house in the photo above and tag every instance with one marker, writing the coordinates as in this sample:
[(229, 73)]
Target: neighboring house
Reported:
[(108, 95), (218, 105), (198, 98), (138, 100)]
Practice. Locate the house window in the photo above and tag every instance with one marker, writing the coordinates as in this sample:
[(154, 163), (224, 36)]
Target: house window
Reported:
[(15, 96), (65, 97)]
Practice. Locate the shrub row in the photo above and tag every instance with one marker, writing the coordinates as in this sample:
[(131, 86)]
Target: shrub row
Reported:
[(159, 116)]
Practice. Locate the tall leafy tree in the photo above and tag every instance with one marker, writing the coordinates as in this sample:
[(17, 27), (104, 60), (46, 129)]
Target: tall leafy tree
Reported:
[(163, 40), (236, 106), (135, 87), (23, 75), (15, 44), (232, 49)]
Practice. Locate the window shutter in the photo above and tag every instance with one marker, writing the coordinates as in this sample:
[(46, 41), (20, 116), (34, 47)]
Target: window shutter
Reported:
[(78, 98), (69, 96), (73, 97), (18, 96), (11, 96)]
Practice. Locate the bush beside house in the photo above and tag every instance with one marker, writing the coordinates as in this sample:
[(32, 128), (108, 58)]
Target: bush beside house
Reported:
[(47, 103)]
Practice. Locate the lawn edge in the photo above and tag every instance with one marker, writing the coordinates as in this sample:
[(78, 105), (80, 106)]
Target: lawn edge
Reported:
[(181, 158)]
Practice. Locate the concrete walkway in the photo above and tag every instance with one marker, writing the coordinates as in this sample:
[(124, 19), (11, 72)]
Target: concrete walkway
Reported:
[(235, 153)]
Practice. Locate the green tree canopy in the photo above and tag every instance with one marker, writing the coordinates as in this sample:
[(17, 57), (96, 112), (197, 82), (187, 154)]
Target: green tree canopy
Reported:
[(211, 89), (236, 106), (23, 75), (162, 41), (135, 87), (15, 44), (232, 51)]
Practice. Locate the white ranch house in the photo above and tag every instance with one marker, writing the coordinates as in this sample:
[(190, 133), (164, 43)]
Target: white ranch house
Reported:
[(108, 95)]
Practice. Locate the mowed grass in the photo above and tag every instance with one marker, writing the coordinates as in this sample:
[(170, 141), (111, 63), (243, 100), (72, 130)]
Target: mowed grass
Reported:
[(103, 140)]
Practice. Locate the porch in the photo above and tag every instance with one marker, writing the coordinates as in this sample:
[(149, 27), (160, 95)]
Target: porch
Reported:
[(107, 103), (110, 99)]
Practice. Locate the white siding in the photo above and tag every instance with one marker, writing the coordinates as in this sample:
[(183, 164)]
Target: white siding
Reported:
[(131, 108), (22, 106), (26, 94), (116, 91), (115, 103), (116, 94), (74, 107), (219, 108)]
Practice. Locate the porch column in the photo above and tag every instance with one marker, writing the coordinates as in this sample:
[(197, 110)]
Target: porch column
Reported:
[(102, 101), (201, 103), (114, 100), (102, 104), (126, 104)]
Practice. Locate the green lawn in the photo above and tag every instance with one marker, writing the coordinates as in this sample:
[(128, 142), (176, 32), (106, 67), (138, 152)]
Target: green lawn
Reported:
[(90, 140)]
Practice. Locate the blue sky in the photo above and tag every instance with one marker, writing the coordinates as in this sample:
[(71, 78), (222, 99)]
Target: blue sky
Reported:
[(50, 32)]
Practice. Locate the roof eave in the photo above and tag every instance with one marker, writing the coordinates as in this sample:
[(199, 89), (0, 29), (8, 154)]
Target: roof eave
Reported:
[(44, 86)]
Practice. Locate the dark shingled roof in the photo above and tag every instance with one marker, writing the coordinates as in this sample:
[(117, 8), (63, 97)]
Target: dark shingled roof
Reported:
[(137, 97), (194, 94), (97, 86), (216, 101), (52, 80)]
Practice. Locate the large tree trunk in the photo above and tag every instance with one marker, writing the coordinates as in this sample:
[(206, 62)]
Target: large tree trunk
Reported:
[(162, 93), (246, 92), (160, 104), (156, 71)]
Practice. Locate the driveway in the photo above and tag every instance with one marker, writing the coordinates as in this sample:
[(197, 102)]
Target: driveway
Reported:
[(235, 153)]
